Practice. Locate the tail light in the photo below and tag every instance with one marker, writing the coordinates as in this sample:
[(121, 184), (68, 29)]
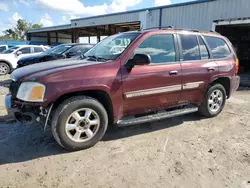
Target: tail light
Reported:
[(237, 64)]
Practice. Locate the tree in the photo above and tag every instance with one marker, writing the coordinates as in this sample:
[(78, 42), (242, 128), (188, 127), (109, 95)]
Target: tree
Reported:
[(9, 33), (20, 30)]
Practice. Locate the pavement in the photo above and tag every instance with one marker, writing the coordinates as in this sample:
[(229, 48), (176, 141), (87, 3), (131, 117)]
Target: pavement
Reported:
[(186, 151)]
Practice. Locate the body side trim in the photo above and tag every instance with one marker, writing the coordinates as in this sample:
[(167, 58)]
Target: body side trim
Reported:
[(152, 91), (159, 90)]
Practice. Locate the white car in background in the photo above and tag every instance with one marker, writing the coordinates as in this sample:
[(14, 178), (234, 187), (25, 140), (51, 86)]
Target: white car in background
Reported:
[(9, 58)]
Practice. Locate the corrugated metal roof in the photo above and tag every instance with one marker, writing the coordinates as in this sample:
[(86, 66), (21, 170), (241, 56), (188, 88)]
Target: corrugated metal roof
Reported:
[(202, 16), (59, 27), (69, 26), (153, 8)]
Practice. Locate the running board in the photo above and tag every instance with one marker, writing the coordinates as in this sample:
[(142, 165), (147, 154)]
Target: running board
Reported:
[(155, 117)]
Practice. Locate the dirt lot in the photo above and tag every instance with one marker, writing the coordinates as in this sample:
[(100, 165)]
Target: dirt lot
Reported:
[(187, 151)]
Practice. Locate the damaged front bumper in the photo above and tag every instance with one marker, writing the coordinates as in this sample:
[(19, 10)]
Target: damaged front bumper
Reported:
[(27, 114)]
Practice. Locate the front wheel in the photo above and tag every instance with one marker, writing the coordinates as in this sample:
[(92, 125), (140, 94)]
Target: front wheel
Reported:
[(4, 69), (79, 123), (214, 101)]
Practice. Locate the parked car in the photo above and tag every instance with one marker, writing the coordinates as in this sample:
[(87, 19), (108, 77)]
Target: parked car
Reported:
[(3, 47), (9, 58), (59, 52), (126, 79)]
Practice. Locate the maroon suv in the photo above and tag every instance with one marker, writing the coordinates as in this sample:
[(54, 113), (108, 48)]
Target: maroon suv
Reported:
[(126, 79)]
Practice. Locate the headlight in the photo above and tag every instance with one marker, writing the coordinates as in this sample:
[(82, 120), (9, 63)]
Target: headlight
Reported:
[(31, 92)]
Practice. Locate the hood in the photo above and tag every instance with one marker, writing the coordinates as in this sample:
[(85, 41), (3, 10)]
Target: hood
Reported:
[(42, 69), (32, 59), (3, 56)]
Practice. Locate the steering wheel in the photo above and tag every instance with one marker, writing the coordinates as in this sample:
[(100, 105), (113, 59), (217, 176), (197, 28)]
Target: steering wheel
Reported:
[(116, 50)]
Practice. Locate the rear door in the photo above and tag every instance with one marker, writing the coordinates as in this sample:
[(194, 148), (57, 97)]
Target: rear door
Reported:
[(198, 67), (156, 85)]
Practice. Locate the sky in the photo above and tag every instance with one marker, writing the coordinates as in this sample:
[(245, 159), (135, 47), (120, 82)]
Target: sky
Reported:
[(58, 12)]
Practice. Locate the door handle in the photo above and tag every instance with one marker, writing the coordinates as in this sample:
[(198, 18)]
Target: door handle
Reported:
[(173, 72), (211, 69)]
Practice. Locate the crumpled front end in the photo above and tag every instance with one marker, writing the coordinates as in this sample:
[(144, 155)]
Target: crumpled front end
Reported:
[(24, 112)]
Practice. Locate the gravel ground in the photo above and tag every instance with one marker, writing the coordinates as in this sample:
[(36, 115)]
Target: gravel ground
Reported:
[(187, 151)]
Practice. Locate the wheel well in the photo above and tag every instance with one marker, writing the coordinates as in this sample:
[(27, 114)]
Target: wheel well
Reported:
[(99, 95), (225, 82), (1, 61)]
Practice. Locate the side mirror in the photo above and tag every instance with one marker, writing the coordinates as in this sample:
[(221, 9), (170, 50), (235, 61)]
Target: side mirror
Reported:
[(19, 53), (139, 59), (70, 54)]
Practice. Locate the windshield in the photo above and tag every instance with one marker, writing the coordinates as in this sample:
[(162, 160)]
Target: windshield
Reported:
[(58, 50), (112, 47), (10, 50)]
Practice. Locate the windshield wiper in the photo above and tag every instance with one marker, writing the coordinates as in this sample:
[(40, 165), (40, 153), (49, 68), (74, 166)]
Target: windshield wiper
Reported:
[(97, 58)]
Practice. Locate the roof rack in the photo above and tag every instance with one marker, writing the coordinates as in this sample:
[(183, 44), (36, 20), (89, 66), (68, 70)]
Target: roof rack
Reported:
[(178, 29), (151, 28)]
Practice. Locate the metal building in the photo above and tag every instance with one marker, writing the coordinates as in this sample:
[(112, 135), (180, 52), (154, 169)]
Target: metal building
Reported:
[(229, 17), (201, 14)]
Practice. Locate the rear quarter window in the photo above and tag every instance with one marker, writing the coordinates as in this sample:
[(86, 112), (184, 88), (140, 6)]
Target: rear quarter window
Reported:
[(38, 49), (218, 46)]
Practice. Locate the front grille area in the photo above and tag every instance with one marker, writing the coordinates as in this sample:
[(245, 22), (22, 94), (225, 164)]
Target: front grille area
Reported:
[(14, 88)]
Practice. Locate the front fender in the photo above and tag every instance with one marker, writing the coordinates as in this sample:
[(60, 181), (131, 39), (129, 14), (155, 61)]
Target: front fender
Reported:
[(59, 91), (8, 62)]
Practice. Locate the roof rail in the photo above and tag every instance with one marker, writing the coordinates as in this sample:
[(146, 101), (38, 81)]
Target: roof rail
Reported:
[(214, 32), (179, 29), (186, 29), (171, 27), (166, 27)]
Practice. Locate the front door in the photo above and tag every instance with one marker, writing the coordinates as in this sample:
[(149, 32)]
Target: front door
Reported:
[(26, 51), (157, 85)]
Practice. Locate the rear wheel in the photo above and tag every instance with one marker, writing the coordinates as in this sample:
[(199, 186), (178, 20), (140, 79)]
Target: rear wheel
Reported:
[(4, 68), (214, 101), (79, 123)]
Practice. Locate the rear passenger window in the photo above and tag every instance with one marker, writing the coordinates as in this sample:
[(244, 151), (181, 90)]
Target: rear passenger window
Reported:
[(190, 48), (203, 49), (160, 48), (218, 47)]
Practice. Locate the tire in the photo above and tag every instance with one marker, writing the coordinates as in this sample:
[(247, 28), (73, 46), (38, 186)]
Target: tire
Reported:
[(207, 107), (4, 68), (63, 115)]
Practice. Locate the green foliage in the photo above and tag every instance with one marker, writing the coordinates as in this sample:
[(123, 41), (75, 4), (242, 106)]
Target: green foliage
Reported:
[(19, 31)]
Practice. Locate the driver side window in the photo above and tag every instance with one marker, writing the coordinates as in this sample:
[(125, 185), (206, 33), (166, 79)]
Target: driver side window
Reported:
[(26, 50), (160, 48), (77, 50)]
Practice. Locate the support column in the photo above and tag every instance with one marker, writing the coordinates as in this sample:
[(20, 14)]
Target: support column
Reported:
[(28, 36), (77, 33), (109, 30), (73, 35), (48, 38), (98, 38), (160, 19), (89, 39), (56, 37)]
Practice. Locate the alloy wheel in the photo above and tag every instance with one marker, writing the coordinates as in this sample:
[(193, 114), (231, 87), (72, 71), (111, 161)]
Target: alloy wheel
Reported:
[(82, 125)]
